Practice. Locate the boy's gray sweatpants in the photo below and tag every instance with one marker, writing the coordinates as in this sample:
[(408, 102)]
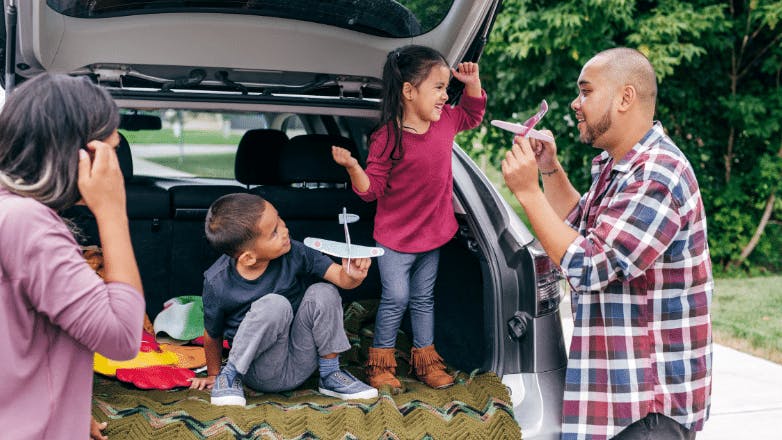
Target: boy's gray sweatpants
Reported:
[(277, 351)]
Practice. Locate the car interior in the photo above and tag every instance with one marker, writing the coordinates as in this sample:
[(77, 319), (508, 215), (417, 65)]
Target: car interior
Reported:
[(298, 176)]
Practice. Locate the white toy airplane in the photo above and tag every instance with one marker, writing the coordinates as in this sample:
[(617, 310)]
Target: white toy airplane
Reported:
[(344, 250), (526, 128)]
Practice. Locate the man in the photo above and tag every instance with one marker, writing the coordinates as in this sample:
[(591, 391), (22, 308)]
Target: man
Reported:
[(634, 251)]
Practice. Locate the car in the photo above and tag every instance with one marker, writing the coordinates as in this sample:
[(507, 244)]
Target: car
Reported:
[(248, 96)]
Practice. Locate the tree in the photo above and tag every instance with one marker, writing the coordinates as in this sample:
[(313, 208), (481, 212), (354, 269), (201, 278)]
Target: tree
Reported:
[(718, 63)]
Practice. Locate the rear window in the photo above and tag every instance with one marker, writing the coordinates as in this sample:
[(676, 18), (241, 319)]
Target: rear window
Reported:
[(401, 19)]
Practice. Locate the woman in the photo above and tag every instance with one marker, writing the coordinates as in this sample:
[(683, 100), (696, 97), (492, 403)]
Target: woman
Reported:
[(57, 140)]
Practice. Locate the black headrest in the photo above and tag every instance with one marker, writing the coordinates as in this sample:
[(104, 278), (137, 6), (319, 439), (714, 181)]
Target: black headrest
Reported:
[(258, 156), (125, 159), (307, 158)]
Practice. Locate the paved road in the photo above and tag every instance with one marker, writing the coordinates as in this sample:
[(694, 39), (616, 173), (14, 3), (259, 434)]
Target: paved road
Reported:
[(746, 401)]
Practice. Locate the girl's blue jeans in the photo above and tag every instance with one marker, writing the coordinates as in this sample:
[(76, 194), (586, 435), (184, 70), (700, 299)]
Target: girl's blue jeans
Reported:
[(408, 280)]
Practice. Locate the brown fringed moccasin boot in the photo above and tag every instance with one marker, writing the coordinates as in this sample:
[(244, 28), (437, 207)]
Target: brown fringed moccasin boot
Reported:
[(381, 367), (429, 367)]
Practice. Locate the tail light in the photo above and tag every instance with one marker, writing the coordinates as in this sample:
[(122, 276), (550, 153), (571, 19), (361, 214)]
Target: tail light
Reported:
[(547, 277)]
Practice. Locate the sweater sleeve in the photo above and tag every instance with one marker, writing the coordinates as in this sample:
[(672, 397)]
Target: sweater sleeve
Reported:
[(59, 284), (469, 112), (379, 165)]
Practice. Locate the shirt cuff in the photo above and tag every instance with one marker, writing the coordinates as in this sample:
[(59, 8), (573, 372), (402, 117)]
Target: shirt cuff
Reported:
[(572, 263)]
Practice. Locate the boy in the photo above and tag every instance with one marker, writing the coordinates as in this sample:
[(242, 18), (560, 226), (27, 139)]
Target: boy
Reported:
[(255, 296)]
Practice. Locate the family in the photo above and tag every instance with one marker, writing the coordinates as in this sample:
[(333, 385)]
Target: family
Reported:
[(633, 249)]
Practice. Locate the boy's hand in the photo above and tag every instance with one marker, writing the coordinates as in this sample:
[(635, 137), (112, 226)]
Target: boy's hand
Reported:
[(343, 157), (359, 267), (467, 73), (202, 383)]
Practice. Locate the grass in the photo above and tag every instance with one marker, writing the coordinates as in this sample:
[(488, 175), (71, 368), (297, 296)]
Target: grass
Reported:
[(747, 315), (218, 165), (166, 136)]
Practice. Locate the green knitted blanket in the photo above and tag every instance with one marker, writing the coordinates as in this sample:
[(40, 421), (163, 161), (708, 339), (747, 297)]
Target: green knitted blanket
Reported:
[(476, 407)]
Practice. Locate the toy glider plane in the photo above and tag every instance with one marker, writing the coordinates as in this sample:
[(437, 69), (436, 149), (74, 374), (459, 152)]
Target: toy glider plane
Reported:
[(526, 128), (344, 250)]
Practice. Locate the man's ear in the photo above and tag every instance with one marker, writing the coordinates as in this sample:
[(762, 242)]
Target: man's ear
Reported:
[(628, 96), (407, 90), (246, 258)]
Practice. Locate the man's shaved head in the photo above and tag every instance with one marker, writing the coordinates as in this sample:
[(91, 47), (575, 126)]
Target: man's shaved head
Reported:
[(625, 66)]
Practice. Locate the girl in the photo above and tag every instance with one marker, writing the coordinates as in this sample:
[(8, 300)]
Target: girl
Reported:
[(409, 174), (57, 140)]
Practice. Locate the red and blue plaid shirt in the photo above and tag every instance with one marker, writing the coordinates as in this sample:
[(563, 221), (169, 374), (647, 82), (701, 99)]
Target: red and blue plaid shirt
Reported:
[(641, 279)]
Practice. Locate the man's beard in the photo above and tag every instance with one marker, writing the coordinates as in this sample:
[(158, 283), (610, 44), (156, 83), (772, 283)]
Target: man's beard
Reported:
[(594, 131)]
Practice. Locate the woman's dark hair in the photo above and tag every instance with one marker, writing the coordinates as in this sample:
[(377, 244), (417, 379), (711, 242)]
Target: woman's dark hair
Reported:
[(406, 64), (232, 222), (44, 123)]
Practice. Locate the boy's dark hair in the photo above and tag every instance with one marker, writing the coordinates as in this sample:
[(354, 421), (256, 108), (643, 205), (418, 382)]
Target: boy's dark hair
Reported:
[(232, 222), (411, 64), (44, 123)]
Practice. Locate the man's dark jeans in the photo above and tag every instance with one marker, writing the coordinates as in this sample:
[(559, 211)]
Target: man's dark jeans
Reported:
[(656, 426)]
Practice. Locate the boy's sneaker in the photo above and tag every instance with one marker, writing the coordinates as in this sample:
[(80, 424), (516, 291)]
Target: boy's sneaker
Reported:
[(344, 385), (228, 390)]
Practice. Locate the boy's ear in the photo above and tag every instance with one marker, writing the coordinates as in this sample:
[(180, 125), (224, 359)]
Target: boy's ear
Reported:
[(246, 258)]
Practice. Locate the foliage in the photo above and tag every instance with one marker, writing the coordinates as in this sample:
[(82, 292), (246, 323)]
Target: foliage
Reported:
[(719, 64)]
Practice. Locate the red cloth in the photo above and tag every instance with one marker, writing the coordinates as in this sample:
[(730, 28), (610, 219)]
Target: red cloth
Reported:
[(158, 377), (200, 341)]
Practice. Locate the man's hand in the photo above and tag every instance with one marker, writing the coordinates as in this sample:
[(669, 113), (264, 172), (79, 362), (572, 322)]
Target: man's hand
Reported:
[(202, 383), (545, 152), (520, 169), (96, 428)]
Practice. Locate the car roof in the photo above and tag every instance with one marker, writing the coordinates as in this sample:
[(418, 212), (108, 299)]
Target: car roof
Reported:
[(228, 53)]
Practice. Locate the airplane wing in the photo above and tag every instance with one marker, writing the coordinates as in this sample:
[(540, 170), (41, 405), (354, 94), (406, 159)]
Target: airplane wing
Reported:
[(341, 250), (527, 127), (522, 130)]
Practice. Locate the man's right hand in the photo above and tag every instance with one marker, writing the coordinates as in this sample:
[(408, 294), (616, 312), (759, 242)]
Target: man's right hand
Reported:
[(202, 383)]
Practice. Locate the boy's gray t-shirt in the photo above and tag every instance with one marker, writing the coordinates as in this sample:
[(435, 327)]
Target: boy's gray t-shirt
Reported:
[(227, 296)]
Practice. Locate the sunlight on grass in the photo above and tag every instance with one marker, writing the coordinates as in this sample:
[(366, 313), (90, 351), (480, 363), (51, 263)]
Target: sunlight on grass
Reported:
[(218, 165), (747, 315)]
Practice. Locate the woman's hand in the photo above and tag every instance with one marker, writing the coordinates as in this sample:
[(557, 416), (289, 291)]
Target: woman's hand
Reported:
[(95, 430), (100, 180)]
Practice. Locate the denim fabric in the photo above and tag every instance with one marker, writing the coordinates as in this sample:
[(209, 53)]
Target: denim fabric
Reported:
[(408, 279), (277, 350)]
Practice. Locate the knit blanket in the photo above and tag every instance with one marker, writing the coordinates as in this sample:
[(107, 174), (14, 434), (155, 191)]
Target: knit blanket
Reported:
[(477, 406)]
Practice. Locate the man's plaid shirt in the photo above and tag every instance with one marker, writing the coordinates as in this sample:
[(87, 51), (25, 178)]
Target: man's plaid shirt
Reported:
[(641, 278)]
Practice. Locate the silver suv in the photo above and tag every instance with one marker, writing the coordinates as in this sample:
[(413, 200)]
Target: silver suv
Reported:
[(227, 96)]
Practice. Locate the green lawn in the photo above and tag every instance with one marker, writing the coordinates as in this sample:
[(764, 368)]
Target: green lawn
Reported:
[(166, 136), (218, 165), (747, 315)]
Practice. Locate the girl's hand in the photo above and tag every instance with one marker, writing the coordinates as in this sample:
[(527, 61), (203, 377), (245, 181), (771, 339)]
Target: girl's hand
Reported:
[(202, 383), (467, 73), (100, 180), (343, 157)]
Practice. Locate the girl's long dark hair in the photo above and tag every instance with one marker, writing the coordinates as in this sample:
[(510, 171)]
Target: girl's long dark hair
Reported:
[(44, 123), (406, 64)]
